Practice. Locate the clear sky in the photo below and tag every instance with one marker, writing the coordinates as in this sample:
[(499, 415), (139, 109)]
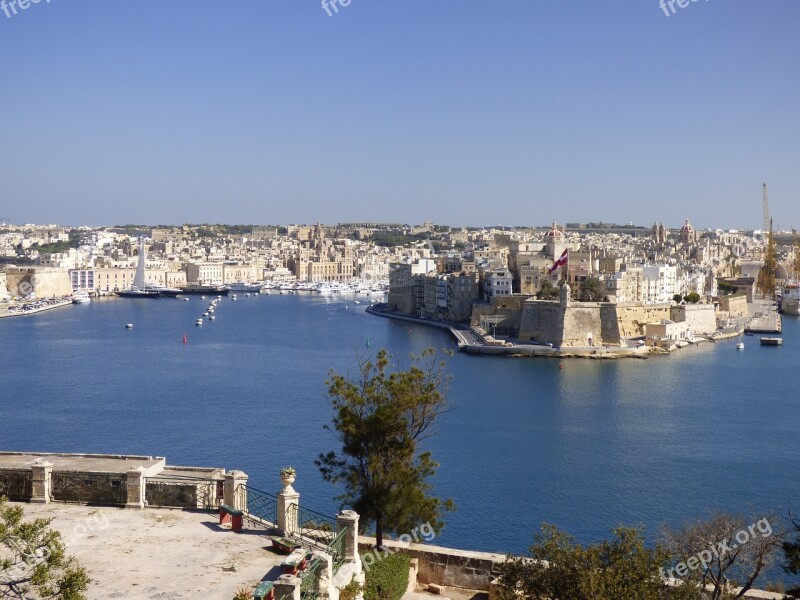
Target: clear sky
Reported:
[(462, 112)]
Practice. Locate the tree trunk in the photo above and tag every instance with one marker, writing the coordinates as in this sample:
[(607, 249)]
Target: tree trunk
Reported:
[(379, 530)]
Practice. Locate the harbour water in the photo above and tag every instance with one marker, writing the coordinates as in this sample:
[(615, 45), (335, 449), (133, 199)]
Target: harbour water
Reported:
[(588, 446)]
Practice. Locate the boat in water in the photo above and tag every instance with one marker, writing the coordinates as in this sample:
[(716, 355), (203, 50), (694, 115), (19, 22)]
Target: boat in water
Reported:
[(81, 297), (771, 341), (740, 346), (199, 289), (790, 302), (241, 286), (139, 288)]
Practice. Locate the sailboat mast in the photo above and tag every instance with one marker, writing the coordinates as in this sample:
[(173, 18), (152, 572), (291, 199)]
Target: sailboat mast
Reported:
[(138, 280)]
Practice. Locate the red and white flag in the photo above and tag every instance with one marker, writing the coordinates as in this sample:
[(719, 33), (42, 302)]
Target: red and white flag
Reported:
[(560, 262)]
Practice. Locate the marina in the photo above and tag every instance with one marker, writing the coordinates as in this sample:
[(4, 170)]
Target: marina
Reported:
[(539, 430)]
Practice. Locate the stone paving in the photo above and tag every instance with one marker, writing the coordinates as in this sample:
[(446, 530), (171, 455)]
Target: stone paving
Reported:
[(159, 554)]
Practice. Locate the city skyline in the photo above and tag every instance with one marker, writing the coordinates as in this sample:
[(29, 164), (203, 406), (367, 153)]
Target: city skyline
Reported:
[(400, 112)]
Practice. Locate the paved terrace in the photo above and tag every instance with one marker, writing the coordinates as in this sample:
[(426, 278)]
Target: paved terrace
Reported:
[(86, 463), (159, 554)]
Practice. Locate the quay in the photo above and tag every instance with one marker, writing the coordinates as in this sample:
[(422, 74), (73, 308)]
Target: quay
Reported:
[(49, 305), (766, 321), (473, 341)]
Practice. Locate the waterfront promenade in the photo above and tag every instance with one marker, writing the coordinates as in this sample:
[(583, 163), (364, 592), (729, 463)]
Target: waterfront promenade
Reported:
[(37, 307)]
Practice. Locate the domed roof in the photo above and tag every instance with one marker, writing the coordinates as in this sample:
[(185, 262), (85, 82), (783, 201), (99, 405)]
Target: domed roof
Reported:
[(554, 232), (687, 226)]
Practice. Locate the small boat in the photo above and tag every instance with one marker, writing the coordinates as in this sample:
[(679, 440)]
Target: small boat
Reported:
[(211, 317), (129, 326), (199, 322), (80, 298), (771, 341), (185, 299), (740, 346)]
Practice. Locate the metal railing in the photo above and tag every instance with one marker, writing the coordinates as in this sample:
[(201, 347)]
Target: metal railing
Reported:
[(309, 580), (337, 549), (311, 525), (259, 504), (182, 491)]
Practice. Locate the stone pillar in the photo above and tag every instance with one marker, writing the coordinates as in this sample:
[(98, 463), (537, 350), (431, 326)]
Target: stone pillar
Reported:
[(347, 520), (234, 493), (287, 587), (565, 295), (288, 508), (41, 472), (136, 488)]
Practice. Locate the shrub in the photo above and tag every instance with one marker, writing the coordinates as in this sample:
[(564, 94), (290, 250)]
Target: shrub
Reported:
[(350, 591), (387, 578)]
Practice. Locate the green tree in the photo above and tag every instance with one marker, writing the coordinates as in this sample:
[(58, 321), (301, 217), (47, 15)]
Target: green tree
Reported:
[(380, 418), (33, 559), (692, 298), (548, 291), (591, 290), (677, 298), (560, 569)]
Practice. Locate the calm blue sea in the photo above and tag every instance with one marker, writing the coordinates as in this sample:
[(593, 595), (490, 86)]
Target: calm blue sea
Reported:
[(587, 447)]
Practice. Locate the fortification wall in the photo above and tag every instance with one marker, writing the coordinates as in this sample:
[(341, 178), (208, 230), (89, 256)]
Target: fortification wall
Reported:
[(42, 281), (736, 305), (700, 318), (632, 317), (542, 321), (582, 325)]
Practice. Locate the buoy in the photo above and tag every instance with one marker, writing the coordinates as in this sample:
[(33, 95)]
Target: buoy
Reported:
[(185, 339), (560, 367)]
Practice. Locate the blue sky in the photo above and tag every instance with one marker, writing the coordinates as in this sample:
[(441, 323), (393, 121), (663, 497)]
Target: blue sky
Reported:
[(466, 113)]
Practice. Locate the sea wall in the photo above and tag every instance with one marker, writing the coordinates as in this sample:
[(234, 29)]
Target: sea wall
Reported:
[(587, 323), (542, 321)]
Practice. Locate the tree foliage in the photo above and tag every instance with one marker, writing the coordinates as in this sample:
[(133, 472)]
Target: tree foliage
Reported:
[(548, 291), (380, 418), (591, 289), (33, 559), (692, 298), (560, 569), (732, 551)]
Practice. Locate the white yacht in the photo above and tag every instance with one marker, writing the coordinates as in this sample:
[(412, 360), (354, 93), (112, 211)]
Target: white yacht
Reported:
[(81, 297)]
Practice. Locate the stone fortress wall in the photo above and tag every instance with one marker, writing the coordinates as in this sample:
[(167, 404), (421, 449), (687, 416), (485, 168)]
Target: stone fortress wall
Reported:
[(566, 324)]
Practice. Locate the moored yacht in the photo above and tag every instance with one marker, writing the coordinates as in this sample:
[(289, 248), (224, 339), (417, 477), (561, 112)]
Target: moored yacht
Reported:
[(81, 297)]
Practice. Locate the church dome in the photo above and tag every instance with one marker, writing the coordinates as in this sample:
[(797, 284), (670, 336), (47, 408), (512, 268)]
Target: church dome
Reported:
[(554, 233)]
